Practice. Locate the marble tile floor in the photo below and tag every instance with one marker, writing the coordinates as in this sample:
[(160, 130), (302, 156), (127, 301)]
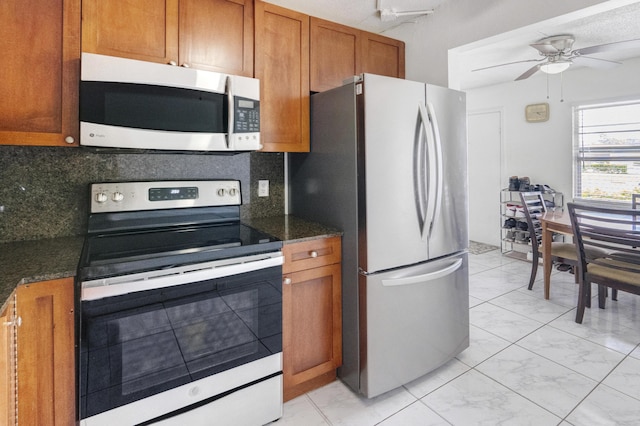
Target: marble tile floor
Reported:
[(528, 363)]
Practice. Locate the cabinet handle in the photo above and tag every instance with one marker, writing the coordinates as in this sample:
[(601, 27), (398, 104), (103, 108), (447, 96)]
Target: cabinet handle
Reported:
[(313, 253), (69, 139), (286, 281), (16, 322)]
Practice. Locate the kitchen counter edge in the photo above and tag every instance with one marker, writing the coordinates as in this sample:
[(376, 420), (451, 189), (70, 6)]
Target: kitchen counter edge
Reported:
[(292, 229), (24, 262)]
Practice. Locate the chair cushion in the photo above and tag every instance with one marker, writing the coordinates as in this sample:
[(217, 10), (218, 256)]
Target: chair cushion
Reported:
[(602, 270), (564, 250), (568, 251)]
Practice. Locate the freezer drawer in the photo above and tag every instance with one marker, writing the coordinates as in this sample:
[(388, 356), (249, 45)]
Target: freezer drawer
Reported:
[(415, 320)]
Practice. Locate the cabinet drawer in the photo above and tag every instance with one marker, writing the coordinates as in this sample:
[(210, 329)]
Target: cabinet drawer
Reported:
[(311, 254)]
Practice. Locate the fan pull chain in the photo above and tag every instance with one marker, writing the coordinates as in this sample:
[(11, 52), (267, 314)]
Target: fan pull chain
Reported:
[(547, 85), (561, 87)]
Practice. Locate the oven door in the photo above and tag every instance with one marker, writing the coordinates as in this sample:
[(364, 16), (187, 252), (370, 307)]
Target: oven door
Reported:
[(151, 354)]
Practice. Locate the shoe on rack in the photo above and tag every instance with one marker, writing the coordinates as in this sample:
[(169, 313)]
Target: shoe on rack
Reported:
[(510, 223), (550, 204), (510, 211), (524, 184), (522, 226), (548, 189), (520, 212), (522, 236), (510, 236), (514, 183)]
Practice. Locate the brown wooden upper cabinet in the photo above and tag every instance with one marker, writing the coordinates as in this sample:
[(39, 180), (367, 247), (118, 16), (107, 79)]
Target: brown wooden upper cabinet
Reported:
[(282, 65), (339, 52), (382, 55), (39, 84), (335, 54), (215, 35)]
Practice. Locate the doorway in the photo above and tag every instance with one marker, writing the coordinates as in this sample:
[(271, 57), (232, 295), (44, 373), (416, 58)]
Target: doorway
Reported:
[(485, 175)]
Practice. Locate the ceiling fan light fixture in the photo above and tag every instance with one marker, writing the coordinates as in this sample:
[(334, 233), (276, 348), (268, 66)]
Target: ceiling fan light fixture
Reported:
[(555, 67)]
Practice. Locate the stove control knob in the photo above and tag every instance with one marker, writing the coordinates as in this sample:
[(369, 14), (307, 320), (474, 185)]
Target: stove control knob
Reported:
[(221, 192), (117, 196), (233, 192), (101, 197)]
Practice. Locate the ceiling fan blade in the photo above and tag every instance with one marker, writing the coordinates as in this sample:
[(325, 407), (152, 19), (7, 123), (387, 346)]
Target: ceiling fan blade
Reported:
[(528, 73), (608, 47), (588, 61), (508, 63)]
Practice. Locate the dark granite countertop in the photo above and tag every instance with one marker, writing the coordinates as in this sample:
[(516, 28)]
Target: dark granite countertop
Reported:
[(24, 262), (292, 229)]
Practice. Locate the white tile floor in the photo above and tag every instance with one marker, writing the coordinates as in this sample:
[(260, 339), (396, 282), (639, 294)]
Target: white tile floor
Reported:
[(528, 363)]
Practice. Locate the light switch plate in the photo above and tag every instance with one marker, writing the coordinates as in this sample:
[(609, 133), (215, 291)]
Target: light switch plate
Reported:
[(263, 188)]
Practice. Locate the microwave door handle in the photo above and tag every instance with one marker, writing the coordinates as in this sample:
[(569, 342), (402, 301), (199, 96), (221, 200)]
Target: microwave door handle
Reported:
[(230, 111)]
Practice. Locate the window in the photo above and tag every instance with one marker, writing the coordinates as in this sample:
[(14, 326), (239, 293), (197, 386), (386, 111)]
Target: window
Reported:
[(607, 151)]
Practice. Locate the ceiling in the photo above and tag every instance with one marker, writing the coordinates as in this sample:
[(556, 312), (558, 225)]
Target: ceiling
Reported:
[(362, 14), (588, 29)]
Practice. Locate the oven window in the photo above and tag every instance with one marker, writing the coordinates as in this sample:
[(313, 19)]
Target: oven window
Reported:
[(137, 345), (143, 106)]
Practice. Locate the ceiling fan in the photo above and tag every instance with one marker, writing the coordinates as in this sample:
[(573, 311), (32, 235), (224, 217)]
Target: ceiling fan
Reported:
[(558, 56)]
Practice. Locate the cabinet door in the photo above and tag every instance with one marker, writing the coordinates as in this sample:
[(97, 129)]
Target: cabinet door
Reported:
[(7, 365), (46, 360), (217, 35), (334, 54), (382, 55), (282, 65), (39, 84), (312, 327), (137, 29)]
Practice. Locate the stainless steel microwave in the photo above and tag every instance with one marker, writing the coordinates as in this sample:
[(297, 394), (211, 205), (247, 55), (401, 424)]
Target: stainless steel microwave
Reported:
[(126, 103)]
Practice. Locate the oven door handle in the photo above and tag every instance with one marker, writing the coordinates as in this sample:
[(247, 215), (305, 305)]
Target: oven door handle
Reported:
[(108, 287)]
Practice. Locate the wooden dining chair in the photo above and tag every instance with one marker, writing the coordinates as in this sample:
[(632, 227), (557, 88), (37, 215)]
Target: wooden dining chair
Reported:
[(617, 232), (534, 207)]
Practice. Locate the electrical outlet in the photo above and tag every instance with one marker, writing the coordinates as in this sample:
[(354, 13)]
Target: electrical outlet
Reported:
[(263, 188)]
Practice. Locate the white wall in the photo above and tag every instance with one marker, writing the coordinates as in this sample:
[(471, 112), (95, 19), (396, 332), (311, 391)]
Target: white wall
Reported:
[(543, 151)]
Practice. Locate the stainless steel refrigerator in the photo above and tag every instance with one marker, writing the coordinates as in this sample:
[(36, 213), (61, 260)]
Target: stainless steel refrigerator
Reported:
[(388, 166)]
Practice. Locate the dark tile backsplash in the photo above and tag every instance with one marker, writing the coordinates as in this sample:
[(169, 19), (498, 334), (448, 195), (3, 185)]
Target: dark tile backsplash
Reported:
[(44, 191)]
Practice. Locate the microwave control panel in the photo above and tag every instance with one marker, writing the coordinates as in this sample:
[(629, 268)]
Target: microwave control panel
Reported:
[(246, 115)]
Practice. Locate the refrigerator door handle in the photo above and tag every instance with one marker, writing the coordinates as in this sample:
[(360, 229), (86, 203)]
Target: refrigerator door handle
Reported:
[(417, 279), (439, 166), (420, 170), (431, 173)]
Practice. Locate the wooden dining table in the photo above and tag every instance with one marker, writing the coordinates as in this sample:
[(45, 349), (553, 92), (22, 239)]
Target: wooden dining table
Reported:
[(553, 221)]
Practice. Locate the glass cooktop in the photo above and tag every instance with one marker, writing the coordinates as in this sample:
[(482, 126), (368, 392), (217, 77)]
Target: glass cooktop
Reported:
[(110, 254)]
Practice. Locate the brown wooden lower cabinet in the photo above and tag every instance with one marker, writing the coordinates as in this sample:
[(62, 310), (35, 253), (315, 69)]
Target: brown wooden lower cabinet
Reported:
[(45, 361), (312, 315), (7, 365)]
